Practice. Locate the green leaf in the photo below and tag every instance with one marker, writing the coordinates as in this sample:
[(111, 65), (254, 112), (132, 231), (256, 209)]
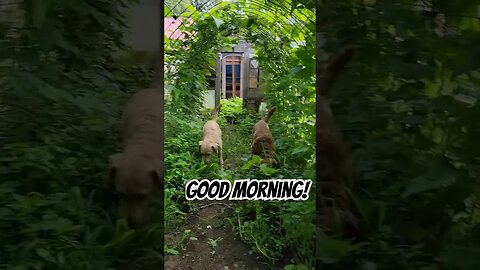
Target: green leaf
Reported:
[(119, 240), (267, 170), (171, 251), (300, 149), (330, 250), (296, 267), (190, 9), (54, 93), (254, 160), (166, 11), (440, 174), (43, 253), (218, 22), (419, 185), (295, 70)]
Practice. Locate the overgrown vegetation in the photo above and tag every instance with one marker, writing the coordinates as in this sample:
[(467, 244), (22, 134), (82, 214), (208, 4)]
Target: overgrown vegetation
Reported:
[(277, 230), (408, 106), (232, 110), (60, 100)]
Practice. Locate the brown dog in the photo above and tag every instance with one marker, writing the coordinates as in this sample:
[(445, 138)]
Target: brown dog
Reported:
[(334, 179), (263, 144), (212, 139), (137, 172)]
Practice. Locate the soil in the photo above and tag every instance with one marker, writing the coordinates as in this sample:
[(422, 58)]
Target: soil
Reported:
[(211, 244)]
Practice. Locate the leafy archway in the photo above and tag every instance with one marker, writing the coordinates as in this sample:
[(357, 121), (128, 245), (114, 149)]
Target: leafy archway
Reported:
[(283, 37)]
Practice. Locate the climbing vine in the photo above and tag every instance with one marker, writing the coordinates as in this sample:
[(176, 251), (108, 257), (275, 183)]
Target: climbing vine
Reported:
[(288, 84), (196, 61), (407, 105)]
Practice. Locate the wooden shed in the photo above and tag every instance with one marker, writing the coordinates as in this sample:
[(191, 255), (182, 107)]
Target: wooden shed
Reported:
[(237, 75)]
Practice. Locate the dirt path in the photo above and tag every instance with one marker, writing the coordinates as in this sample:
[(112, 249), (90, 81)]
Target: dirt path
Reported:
[(206, 241), (211, 243)]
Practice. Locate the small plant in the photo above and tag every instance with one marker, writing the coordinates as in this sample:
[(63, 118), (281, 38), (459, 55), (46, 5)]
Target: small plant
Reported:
[(213, 244), (232, 110), (296, 267)]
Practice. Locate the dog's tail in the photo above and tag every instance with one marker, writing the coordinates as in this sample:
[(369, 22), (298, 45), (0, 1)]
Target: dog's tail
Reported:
[(333, 68), (269, 114), (216, 111)]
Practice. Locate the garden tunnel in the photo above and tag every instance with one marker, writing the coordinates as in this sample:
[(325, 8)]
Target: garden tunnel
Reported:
[(237, 73), (408, 109), (207, 45)]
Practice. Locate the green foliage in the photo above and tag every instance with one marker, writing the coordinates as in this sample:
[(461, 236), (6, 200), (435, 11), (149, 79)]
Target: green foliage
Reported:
[(193, 59), (407, 105), (258, 223), (181, 148), (277, 230), (61, 99), (232, 110), (408, 109)]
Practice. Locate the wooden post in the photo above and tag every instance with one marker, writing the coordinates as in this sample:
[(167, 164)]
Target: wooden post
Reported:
[(246, 78), (234, 80), (218, 80), (224, 78), (242, 75)]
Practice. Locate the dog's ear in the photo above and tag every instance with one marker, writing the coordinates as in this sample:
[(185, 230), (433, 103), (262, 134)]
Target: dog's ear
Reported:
[(200, 145), (113, 163), (155, 171), (157, 175), (215, 148)]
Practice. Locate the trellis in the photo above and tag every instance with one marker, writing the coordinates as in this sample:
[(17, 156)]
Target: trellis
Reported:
[(249, 88)]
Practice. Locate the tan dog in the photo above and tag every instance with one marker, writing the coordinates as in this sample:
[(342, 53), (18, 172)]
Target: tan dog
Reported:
[(263, 144), (212, 139), (137, 172)]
